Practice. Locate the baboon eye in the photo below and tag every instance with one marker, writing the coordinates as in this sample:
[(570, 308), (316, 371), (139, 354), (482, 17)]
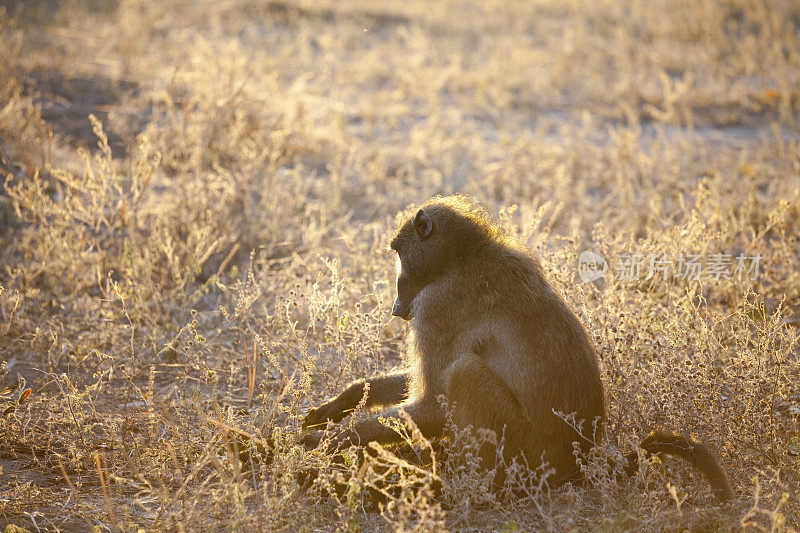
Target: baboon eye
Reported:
[(423, 224)]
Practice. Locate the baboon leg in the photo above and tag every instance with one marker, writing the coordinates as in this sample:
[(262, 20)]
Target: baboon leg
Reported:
[(478, 397), (427, 415)]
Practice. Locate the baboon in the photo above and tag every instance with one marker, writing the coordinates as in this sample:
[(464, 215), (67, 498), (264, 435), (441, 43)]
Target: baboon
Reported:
[(490, 334)]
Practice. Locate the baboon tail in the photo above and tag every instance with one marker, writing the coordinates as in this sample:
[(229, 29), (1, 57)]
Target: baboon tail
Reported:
[(696, 453)]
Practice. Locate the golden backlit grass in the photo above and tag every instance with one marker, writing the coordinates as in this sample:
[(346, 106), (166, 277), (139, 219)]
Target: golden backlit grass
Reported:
[(193, 226)]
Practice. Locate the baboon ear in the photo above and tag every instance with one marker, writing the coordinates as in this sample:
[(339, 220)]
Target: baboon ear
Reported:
[(423, 223)]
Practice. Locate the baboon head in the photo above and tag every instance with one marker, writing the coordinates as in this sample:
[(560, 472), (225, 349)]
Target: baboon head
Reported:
[(438, 237), (416, 247)]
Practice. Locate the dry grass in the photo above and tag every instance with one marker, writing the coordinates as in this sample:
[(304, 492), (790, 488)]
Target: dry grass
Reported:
[(208, 254)]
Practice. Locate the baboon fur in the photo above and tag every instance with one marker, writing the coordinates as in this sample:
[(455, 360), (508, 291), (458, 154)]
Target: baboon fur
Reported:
[(490, 334)]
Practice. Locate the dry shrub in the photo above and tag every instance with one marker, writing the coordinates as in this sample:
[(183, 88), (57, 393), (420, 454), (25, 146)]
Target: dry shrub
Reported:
[(194, 209)]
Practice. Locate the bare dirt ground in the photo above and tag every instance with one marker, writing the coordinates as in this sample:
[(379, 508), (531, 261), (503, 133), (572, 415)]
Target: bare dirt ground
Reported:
[(194, 215)]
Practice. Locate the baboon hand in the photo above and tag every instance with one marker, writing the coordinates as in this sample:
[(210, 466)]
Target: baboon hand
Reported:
[(318, 418), (311, 439), (339, 441)]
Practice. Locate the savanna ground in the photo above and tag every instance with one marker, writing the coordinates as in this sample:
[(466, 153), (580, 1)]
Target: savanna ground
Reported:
[(194, 215)]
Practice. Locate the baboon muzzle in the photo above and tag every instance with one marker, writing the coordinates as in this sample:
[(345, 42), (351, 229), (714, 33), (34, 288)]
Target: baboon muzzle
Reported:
[(398, 309)]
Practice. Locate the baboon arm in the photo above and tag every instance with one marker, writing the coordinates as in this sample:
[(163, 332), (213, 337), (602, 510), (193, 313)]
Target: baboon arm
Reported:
[(390, 389)]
